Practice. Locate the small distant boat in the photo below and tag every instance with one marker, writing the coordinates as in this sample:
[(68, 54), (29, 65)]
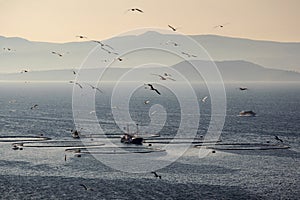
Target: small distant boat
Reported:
[(248, 113), (131, 139), (128, 138), (75, 134)]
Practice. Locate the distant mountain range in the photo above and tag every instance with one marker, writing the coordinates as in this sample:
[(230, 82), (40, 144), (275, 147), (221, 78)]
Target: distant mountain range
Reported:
[(231, 71), (237, 59)]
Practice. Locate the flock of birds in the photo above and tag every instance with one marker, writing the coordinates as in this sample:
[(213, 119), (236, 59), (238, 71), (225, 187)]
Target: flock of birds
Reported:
[(110, 50)]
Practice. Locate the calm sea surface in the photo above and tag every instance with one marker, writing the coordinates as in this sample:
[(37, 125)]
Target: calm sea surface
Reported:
[(42, 173)]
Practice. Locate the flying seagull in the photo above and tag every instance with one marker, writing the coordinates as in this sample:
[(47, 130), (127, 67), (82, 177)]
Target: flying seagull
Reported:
[(81, 36), (164, 77), (277, 138), (135, 9), (166, 74), (95, 88), (156, 175), (152, 88), (188, 55), (34, 106), (220, 25), (76, 84), (24, 71), (243, 88), (102, 44), (172, 27), (86, 188), (204, 99), (146, 102), (59, 54), (175, 44)]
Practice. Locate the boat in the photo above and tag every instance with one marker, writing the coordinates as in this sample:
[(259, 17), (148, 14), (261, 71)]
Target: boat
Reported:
[(75, 134), (248, 113), (128, 138), (131, 139)]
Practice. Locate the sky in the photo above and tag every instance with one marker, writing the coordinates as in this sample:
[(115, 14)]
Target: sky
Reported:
[(61, 20)]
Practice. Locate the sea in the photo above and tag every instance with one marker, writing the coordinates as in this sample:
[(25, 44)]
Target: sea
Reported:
[(49, 172)]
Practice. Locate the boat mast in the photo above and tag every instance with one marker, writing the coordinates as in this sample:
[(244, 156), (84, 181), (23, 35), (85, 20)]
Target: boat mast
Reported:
[(137, 129)]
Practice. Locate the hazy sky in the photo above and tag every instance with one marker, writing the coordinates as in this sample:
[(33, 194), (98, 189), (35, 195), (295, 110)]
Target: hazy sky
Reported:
[(62, 20)]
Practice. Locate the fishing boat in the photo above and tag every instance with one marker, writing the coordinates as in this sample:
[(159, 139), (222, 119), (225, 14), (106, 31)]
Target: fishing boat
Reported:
[(128, 138), (75, 134)]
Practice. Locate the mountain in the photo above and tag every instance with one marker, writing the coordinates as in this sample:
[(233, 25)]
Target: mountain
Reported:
[(230, 71), (37, 56)]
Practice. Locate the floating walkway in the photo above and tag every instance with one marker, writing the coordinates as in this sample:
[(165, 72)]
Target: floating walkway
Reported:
[(22, 138)]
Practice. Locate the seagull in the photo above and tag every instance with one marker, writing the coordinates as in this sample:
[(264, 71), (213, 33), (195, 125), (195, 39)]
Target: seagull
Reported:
[(119, 59), (243, 88), (204, 99), (86, 188), (277, 138), (74, 72), (146, 102), (24, 71), (81, 36), (188, 55), (8, 49), (59, 54), (95, 88), (166, 74), (102, 44), (175, 44), (173, 28), (152, 88), (156, 175), (76, 83), (164, 77), (135, 9), (79, 85), (220, 25), (34, 106)]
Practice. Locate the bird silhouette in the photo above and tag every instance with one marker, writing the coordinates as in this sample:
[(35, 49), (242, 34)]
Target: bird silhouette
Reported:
[(102, 44), (56, 53), (221, 25), (24, 71), (156, 175), (188, 55), (119, 59), (243, 88), (152, 88), (79, 85), (163, 77), (85, 187), (175, 44), (34, 106), (172, 27), (204, 99), (277, 138), (95, 88), (81, 36), (135, 9)]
